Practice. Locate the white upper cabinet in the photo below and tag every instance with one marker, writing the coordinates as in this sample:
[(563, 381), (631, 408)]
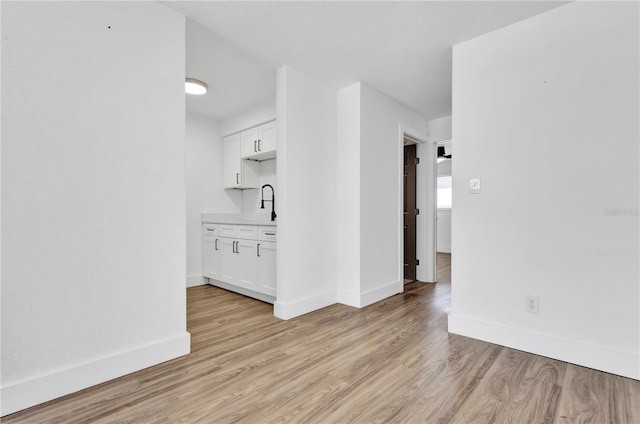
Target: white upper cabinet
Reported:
[(250, 139), (268, 140), (236, 172), (259, 143)]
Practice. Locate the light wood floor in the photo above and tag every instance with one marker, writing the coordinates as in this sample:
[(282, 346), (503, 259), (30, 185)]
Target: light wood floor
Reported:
[(390, 362)]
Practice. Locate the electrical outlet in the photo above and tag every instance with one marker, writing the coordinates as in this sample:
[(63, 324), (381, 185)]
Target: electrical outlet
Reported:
[(531, 304)]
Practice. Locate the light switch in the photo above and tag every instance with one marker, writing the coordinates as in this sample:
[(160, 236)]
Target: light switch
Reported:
[(474, 186)]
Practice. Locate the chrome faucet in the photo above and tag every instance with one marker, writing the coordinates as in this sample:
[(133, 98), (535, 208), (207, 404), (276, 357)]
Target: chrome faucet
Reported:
[(273, 201)]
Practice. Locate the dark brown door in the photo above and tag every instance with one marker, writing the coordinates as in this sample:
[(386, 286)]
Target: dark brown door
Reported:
[(410, 212)]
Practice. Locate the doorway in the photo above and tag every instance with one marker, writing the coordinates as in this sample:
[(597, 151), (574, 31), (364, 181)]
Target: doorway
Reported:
[(422, 249), (410, 213), (444, 204)]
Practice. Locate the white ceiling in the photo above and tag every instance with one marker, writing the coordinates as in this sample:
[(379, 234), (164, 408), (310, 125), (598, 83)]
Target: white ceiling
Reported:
[(403, 49), (235, 79)]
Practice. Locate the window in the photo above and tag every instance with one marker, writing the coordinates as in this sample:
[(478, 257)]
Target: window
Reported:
[(444, 192)]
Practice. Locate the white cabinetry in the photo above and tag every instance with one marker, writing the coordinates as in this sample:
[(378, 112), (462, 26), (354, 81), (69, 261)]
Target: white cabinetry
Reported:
[(247, 274), (237, 173), (237, 263), (238, 260), (259, 143), (267, 260), (249, 144), (211, 251), (230, 260), (246, 256)]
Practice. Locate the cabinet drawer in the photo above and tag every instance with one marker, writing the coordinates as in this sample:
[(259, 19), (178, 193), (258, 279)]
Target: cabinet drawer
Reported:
[(210, 229), (246, 232), (267, 233), (228, 230)]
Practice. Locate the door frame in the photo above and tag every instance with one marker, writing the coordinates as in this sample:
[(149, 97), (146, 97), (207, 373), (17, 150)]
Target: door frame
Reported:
[(434, 188), (413, 262), (425, 222)]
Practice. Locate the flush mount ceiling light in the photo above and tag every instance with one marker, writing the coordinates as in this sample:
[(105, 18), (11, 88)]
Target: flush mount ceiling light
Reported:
[(194, 86)]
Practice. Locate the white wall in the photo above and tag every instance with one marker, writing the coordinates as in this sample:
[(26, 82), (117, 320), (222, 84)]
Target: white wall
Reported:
[(444, 231), (369, 193), (381, 168), (251, 199), (306, 169), (93, 216), (546, 113), (445, 167), (257, 114), (348, 195), (204, 190), (439, 129)]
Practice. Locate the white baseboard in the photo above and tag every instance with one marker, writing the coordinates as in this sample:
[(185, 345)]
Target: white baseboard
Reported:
[(34, 391), (444, 249), (303, 306), (626, 364), (349, 298), (375, 295), (196, 280), (360, 300)]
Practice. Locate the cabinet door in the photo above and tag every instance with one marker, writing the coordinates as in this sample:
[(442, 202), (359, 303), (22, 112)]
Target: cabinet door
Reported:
[(249, 142), (267, 268), (267, 142), (229, 260), (231, 165), (211, 257), (247, 275)]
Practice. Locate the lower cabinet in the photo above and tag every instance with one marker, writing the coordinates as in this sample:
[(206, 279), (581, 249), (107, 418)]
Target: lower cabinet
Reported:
[(238, 263), (230, 260), (210, 251), (241, 259), (267, 267)]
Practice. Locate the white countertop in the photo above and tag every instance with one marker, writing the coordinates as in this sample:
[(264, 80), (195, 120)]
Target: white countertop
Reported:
[(237, 218)]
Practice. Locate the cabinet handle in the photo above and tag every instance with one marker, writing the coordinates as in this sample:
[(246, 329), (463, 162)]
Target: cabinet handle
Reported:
[(258, 249), (237, 178), (254, 146), (210, 229), (216, 244), (269, 234), (233, 246), (259, 149)]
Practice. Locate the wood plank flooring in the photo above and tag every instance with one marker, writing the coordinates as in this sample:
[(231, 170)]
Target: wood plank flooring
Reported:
[(392, 362)]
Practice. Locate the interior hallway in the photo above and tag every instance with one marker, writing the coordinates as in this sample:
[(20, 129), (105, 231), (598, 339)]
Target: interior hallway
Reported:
[(390, 362), (443, 268)]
